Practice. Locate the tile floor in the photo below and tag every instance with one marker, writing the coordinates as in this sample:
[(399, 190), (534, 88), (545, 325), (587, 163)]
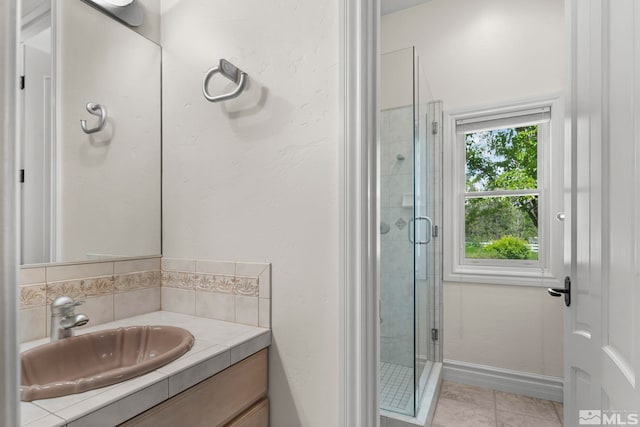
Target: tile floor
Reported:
[(467, 406), (396, 387)]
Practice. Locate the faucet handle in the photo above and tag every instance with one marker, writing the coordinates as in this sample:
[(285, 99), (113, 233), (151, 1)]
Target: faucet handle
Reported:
[(64, 305)]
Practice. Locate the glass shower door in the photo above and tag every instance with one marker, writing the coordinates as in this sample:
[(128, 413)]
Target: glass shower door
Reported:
[(409, 216), (426, 236), (397, 232)]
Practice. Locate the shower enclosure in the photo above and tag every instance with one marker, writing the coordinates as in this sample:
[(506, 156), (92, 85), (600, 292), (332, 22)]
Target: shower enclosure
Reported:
[(410, 243)]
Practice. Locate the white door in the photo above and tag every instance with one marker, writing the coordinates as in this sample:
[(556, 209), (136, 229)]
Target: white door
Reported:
[(36, 150), (602, 325)]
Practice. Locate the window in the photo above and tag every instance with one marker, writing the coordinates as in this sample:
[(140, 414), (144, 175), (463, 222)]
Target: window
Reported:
[(505, 180)]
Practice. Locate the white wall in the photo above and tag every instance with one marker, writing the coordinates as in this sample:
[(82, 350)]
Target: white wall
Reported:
[(256, 178), (120, 163), (511, 327), (478, 53)]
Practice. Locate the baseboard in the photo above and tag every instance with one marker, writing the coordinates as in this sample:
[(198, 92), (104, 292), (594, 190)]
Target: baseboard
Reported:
[(524, 383)]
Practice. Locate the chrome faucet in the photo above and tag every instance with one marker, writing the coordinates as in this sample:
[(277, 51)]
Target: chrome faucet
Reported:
[(64, 318)]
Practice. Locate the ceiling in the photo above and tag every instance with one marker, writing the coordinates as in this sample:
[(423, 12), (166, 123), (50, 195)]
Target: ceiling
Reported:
[(390, 6)]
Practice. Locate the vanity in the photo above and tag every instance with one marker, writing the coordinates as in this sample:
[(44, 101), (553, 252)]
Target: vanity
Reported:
[(222, 380)]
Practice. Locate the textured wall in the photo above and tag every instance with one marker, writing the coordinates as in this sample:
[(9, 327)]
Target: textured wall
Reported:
[(256, 178), (477, 53)]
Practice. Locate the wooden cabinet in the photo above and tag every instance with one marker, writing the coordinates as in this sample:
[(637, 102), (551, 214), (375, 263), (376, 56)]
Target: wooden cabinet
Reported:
[(234, 397), (256, 416)]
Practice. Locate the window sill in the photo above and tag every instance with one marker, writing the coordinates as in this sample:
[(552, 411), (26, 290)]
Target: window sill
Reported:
[(502, 276)]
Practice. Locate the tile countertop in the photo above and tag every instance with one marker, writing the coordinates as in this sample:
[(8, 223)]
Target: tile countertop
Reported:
[(217, 346)]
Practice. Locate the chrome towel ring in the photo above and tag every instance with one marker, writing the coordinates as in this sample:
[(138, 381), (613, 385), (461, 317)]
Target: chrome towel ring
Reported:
[(96, 110), (231, 72)]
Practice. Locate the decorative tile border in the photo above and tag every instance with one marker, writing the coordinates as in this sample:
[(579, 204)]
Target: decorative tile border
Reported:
[(178, 279), (223, 284), (137, 281), (44, 293), (208, 288), (247, 286), (80, 289), (212, 283), (33, 295)]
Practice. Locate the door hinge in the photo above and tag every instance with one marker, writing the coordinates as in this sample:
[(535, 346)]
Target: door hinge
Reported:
[(434, 127), (434, 334), (21, 175), (22, 80)]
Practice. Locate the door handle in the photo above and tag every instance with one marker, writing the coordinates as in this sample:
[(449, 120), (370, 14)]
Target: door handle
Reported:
[(566, 291), (429, 232)]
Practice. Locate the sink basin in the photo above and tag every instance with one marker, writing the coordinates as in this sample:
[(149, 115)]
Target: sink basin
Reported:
[(94, 360)]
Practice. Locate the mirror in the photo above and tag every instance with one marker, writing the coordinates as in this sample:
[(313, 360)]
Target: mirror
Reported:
[(90, 136)]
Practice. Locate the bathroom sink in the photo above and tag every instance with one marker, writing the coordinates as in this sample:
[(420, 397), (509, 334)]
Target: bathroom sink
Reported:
[(94, 360)]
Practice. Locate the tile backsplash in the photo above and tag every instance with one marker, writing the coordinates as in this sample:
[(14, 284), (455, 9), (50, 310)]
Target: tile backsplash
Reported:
[(237, 292), (111, 290)]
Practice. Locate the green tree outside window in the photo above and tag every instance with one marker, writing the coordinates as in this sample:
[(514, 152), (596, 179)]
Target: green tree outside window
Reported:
[(502, 159)]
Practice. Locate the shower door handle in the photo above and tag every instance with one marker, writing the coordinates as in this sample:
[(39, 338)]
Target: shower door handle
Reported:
[(429, 231)]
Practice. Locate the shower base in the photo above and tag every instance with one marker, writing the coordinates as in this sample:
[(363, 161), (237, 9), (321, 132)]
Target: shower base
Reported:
[(396, 387), (390, 416)]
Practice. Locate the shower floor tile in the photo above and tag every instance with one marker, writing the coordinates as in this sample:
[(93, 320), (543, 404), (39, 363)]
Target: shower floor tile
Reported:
[(396, 388)]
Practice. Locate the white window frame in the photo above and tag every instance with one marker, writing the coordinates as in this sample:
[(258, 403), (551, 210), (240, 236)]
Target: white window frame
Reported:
[(547, 270)]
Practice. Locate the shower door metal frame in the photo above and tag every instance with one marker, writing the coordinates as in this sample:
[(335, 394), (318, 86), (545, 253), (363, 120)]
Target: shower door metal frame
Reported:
[(427, 212)]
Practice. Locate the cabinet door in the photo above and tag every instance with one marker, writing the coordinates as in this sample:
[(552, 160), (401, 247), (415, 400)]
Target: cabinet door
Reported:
[(256, 416), (215, 401)]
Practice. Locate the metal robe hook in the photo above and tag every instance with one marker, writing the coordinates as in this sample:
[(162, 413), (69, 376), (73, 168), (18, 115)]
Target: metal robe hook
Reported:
[(96, 110), (231, 72)]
